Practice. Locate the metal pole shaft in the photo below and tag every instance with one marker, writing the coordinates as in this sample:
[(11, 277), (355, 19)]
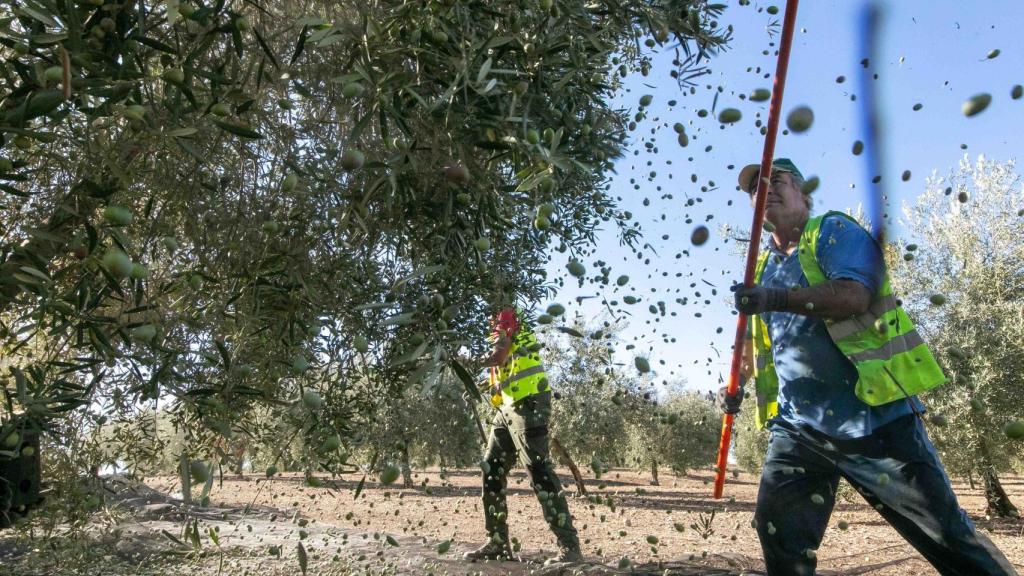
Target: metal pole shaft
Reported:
[(774, 111)]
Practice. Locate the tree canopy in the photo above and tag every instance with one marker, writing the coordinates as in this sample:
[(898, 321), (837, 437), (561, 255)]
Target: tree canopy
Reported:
[(226, 205)]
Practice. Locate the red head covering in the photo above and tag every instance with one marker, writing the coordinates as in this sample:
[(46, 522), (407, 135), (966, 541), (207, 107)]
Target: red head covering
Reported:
[(507, 321)]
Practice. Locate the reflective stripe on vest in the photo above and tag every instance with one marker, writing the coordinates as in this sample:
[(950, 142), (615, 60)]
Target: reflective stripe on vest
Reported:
[(522, 374), (538, 369), (851, 326), (890, 356), (896, 345)]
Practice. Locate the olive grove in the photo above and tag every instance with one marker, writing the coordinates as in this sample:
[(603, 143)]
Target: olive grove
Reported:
[(240, 210)]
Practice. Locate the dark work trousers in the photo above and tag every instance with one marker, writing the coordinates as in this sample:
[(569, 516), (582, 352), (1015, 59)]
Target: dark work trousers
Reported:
[(896, 469), (522, 429)]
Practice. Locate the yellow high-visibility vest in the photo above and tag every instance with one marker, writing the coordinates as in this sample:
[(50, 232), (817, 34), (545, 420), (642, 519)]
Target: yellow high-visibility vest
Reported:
[(892, 360), (522, 374)]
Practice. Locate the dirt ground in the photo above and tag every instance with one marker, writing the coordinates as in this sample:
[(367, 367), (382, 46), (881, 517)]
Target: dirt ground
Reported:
[(447, 507)]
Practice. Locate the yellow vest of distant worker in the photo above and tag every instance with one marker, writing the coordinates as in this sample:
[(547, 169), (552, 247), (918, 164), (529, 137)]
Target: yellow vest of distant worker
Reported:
[(522, 374), (892, 360)]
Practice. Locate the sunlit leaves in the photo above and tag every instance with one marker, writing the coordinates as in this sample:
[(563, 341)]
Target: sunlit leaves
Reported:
[(269, 227)]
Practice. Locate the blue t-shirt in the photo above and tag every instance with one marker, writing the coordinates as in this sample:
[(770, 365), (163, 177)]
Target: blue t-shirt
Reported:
[(816, 380)]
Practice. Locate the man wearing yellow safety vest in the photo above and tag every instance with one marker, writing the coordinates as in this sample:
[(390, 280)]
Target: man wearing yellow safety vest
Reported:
[(522, 397), (837, 365)]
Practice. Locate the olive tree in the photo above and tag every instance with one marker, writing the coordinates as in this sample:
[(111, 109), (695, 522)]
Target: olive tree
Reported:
[(679, 429), (690, 429), (588, 415), (420, 427), (750, 443), (960, 273), (607, 414), (207, 204)]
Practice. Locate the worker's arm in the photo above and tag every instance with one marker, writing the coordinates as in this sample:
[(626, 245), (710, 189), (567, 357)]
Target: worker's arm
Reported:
[(499, 351), (836, 299), (851, 261)]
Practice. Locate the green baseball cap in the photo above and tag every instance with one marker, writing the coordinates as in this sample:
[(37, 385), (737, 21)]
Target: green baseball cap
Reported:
[(748, 175)]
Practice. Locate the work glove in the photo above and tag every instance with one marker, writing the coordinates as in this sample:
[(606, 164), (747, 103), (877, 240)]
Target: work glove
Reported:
[(758, 299), (729, 404)]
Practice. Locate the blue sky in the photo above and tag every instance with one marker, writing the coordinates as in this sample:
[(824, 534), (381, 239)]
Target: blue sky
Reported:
[(932, 53)]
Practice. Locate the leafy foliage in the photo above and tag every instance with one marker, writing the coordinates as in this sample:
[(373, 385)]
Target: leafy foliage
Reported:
[(680, 432), (750, 442), (221, 208), (610, 416), (965, 232)]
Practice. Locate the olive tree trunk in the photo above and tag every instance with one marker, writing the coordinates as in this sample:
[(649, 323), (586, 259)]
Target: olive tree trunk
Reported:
[(998, 502), (995, 496), (563, 455), (406, 467)]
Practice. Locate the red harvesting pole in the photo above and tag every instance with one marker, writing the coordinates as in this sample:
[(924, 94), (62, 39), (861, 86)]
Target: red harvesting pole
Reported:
[(774, 110)]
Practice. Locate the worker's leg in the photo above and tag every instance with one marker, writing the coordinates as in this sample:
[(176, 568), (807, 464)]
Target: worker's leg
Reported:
[(899, 473), (529, 428), (498, 459), (794, 501)]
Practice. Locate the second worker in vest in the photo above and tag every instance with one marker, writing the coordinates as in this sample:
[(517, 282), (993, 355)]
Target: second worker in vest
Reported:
[(837, 365), (521, 396)]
